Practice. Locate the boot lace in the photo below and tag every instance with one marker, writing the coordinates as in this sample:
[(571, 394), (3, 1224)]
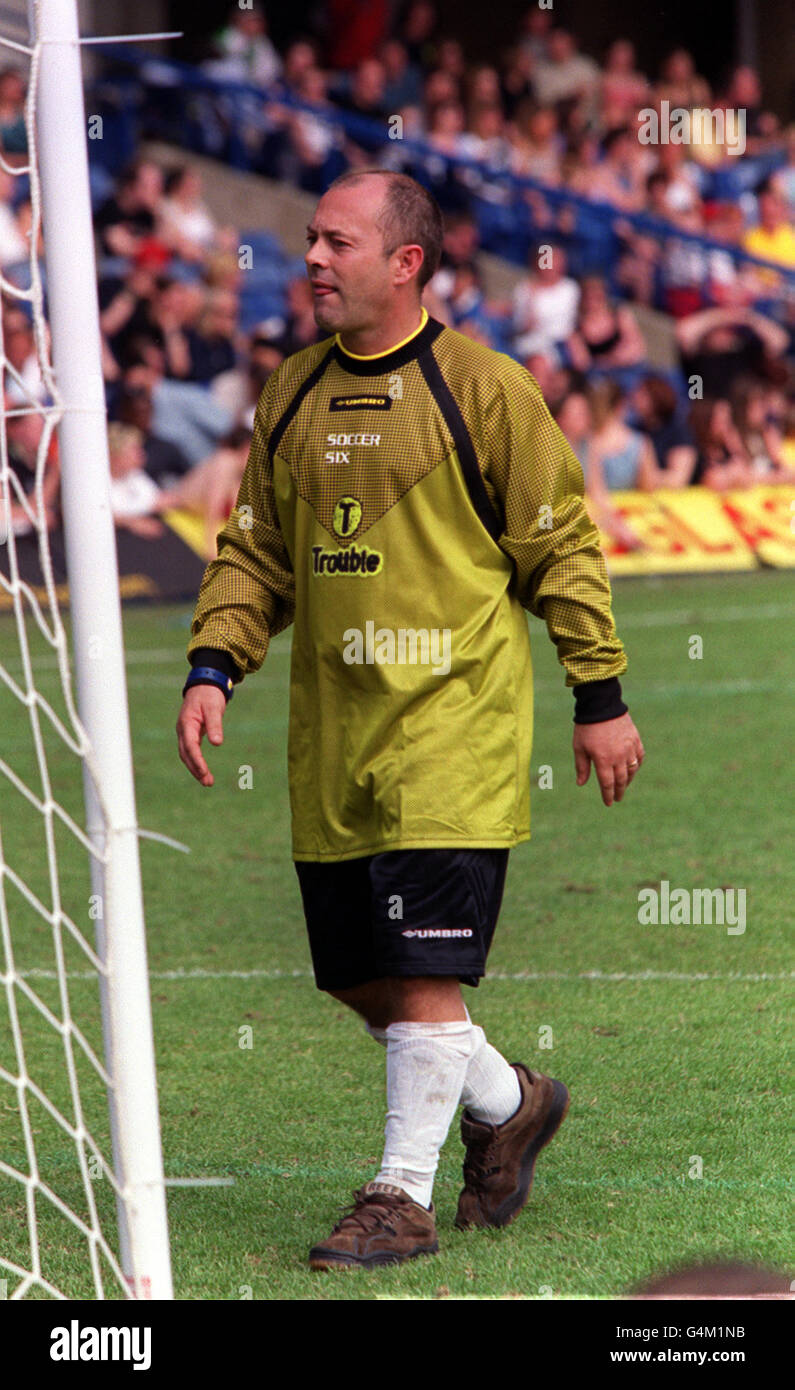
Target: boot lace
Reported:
[(371, 1211), (481, 1161)]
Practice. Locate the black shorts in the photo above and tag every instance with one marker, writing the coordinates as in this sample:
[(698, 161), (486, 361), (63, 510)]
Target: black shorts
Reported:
[(402, 912)]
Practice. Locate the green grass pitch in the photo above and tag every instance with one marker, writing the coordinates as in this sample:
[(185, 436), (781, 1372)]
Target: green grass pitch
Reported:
[(671, 1038)]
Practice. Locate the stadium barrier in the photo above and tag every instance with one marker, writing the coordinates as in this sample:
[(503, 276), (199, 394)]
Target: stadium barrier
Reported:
[(177, 102)]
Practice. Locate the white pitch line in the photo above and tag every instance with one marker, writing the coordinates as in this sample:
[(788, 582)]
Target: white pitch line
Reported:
[(199, 1182), (697, 614), (521, 977), (143, 656)]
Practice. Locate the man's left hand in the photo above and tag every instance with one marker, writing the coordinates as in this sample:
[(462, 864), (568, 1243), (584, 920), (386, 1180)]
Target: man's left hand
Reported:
[(614, 748)]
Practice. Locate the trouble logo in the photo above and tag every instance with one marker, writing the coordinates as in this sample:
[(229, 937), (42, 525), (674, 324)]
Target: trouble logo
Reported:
[(347, 516)]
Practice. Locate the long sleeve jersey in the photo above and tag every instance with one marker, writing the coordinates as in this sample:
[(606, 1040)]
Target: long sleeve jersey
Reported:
[(403, 510)]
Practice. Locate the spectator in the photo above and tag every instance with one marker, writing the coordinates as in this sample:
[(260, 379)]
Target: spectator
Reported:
[(164, 461), (483, 88), (13, 132), (445, 134), (574, 417), (656, 407), (459, 248), (315, 143), (450, 58), (727, 282), (535, 30), (212, 344), (186, 225), (618, 179), (211, 488), (27, 453), (439, 86), (161, 307), (718, 345), (579, 163), (467, 296), (623, 88), (545, 305), (683, 186), (604, 336), (245, 50), (486, 143), (516, 85), (564, 78), (773, 237), (477, 330), (784, 178), (759, 431), (129, 217), (575, 420), (537, 145), (183, 412), (722, 459), (301, 55), (239, 389), (22, 384), (417, 31), (135, 498), (402, 79), (13, 246), (744, 93), (365, 95), (556, 383), (679, 82), (617, 457), (301, 329), (461, 239)]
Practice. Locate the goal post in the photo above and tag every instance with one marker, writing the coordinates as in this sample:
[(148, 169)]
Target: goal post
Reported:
[(59, 178)]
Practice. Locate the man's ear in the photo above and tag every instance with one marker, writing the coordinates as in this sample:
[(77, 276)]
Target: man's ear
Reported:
[(409, 261)]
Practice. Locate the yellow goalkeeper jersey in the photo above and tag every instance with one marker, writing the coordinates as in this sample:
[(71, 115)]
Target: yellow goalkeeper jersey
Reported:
[(402, 511)]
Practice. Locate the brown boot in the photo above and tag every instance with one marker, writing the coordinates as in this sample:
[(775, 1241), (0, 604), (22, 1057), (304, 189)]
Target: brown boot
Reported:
[(499, 1161), (384, 1227)]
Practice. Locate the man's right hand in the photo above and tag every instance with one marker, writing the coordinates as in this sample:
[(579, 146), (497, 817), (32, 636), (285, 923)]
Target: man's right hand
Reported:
[(202, 713)]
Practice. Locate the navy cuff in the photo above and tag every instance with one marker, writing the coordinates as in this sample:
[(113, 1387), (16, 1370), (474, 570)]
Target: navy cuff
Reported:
[(597, 701), (213, 656)]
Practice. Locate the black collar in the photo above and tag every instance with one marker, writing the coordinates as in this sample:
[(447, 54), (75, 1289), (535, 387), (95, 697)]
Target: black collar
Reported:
[(390, 361)]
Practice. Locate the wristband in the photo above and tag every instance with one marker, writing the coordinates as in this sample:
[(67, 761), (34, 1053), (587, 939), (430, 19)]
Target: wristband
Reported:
[(598, 701), (208, 675)]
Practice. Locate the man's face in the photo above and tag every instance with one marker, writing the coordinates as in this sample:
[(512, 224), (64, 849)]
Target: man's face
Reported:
[(353, 281)]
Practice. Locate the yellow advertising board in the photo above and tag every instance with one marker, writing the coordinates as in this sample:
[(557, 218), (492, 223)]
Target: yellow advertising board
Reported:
[(694, 530), (680, 531)]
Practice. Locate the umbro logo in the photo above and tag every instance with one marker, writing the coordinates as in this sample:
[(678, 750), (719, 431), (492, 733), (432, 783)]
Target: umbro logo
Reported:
[(378, 402), (435, 932)]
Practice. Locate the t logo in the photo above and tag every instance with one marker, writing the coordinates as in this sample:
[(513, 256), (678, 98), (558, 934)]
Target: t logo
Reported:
[(347, 516)]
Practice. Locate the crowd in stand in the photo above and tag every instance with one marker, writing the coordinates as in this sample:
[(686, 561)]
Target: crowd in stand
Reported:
[(183, 376)]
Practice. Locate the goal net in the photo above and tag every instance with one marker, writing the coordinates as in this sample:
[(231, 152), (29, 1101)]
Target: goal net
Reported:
[(82, 1205)]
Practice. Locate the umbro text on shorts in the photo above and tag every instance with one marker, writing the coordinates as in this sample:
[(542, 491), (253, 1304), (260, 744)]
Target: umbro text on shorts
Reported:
[(402, 913)]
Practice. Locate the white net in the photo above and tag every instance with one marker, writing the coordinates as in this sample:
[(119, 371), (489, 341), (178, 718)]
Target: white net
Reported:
[(58, 1187)]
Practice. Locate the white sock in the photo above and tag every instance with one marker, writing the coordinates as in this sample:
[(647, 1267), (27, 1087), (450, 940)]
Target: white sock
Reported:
[(491, 1091), (426, 1064)]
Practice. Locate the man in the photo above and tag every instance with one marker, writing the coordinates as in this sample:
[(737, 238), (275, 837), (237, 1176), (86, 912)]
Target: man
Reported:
[(773, 238), (406, 495)]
